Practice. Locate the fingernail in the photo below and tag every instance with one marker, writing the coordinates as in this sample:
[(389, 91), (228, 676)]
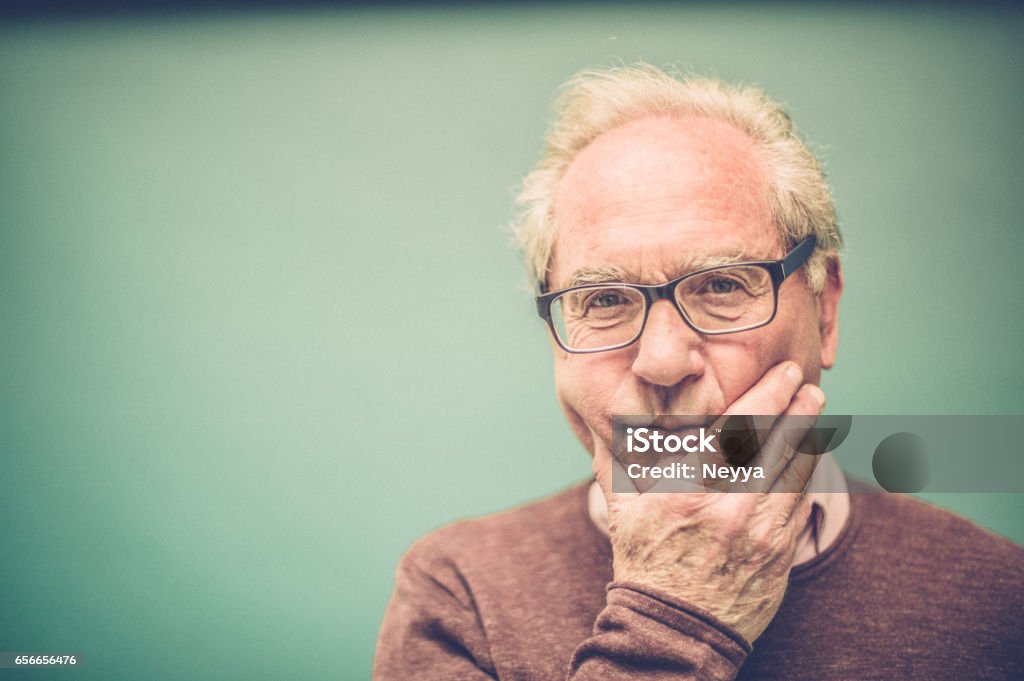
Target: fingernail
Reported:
[(793, 373), (817, 395)]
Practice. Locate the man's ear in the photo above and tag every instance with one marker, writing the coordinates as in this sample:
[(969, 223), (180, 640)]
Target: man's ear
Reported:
[(828, 311)]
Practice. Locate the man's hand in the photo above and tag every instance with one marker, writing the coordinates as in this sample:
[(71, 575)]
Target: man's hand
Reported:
[(728, 553)]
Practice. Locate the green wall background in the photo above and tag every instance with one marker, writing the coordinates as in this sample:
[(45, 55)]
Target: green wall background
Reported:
[(261, 327)]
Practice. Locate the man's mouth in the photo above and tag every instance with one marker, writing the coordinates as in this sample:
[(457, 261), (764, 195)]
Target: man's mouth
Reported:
[(670, 424), (667, 422)]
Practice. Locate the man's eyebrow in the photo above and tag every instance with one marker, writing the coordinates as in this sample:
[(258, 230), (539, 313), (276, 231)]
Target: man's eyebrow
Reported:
[(604, 274), (599, 274)]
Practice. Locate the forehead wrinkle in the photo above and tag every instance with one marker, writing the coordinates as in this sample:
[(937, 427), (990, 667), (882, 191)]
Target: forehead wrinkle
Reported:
[(710, 159), (603, 274), (692, 262)]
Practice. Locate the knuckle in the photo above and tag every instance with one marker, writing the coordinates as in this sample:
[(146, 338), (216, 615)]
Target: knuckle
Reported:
[(778, 398), (762, 544), (731, 527)]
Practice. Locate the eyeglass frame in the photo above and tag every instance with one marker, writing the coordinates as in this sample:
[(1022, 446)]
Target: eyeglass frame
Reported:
[(779, 270)]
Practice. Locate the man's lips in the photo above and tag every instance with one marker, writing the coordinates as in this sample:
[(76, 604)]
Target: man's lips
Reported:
[(670, 424), (668, 421)]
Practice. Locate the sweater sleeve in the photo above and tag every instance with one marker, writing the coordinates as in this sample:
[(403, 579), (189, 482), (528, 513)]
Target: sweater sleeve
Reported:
[(641, 634), (432, 630)]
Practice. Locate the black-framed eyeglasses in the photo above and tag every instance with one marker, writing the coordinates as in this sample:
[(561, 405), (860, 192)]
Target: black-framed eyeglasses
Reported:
[(712, 301)]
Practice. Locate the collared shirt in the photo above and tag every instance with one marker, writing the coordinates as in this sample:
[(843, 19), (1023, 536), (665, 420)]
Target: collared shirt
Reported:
[(830, 507)]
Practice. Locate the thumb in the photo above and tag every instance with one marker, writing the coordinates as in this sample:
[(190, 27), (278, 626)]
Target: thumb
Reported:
[(603, 466)]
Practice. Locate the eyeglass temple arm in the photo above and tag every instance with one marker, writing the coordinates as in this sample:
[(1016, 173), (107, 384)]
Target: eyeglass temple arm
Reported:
[(542, 306), (798, 256)]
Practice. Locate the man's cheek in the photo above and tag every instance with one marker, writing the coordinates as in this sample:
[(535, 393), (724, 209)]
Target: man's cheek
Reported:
[(739, 368), (803, 347), (584, 401)]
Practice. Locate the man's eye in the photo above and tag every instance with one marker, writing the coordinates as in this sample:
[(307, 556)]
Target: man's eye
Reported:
[(722, 286), (607, 299)]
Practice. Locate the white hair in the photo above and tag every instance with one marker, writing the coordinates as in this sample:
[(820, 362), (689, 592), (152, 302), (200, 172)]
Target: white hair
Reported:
[(595, 101)]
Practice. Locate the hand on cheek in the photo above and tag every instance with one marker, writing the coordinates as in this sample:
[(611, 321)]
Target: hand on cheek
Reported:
[(728, 553)]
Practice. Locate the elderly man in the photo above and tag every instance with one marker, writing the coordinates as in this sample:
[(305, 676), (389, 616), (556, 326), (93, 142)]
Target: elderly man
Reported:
[(685, 246)]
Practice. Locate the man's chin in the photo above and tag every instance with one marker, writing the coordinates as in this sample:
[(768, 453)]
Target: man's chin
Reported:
[(668, 422)]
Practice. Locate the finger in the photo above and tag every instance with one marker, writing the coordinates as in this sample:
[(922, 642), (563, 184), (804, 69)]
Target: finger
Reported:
[(606, 469), (798, 465), (602, 467), (778, 454), (767, 398), (795, 476), (772, 394), (783, 442), (794, 509), (749, 417), (800, 511)]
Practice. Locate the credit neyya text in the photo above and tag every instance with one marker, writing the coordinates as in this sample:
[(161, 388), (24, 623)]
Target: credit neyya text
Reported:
[(648, 440)]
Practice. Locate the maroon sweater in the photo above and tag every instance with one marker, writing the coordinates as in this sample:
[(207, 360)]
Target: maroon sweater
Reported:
[(907, 591)]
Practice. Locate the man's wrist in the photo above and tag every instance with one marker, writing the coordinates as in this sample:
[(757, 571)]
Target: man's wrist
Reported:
[(694, 620)]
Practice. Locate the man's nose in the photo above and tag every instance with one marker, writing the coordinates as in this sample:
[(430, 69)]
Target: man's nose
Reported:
[(669, 351)]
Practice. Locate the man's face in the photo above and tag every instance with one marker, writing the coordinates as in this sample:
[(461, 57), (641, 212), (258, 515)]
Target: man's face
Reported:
[(656, 198)]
